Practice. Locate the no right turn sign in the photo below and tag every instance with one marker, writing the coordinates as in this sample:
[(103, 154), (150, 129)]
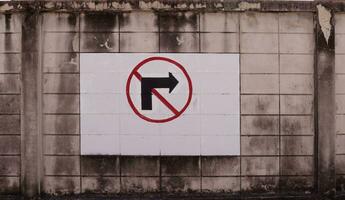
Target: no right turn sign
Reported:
[(160, 104)]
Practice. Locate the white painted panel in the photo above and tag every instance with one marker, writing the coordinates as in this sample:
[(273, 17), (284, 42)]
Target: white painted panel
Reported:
[(140, 145), (99, 103), (209, 126), (220, 145), (220, 125), (99, 124), (180, 145), (100, 144)]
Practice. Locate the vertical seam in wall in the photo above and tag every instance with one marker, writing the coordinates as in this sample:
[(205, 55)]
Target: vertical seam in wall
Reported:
[(21, 166), (239, 74), (118, 29), (160, 136), (159, 31), (200, 137), (40, 140), (316, 116), (279, 116), (80, 142)]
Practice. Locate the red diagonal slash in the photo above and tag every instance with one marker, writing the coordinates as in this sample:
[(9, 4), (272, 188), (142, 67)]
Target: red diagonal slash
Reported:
[(159, 96)]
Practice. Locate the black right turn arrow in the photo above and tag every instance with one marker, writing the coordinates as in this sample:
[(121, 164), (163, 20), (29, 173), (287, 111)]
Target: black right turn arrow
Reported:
[(147, 84)]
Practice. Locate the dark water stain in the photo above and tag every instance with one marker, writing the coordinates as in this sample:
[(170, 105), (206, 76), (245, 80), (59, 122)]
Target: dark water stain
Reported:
[(101, 21), (174, 21), (262, 105), (176, 184), (290, 126), (295, 184), (100, 165), (8, 18), (265, 124), (61, 167), (177, 165)]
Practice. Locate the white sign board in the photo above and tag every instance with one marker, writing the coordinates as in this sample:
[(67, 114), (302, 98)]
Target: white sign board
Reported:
[(159, 104)]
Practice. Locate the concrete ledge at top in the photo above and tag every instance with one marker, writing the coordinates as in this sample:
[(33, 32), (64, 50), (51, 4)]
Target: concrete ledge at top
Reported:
[(165, 5)]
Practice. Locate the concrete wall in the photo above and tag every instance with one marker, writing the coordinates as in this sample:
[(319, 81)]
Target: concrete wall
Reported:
[(10, 103), (277, 58)]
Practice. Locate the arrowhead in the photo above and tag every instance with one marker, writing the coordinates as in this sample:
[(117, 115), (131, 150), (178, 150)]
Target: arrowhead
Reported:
[(173, 82)]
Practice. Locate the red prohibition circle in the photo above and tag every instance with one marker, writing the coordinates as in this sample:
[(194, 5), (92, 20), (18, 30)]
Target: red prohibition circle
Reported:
[(135, 71)]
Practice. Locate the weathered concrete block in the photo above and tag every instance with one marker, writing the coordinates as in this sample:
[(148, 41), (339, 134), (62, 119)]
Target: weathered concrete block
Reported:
[(259, 43), (10, 63), (296, 43), (11, 22), (61, 42), (60, 22), (220, 184), (294, 63), (61, 185), (61, 83), (340, 164), (339, 144), (100, 165), (259, 84), (296, 104), (339, 43), (296, 22), (219, 22), (340, 23), (219, 42), (99, 22), (260, 184), (296, 84), (297, 125), (340, 103), (10, 124), (259, 125), (293, 165), (179, 22), (99, 42), (339, 63), (339, 124), (10, 104), (259, 104), (179, 42), (61, 103), (9, 185), (259, 63), (61, 165), (296, 184), (139, 22), (139, 184), (61, 145), (256, 166), (139, 42), (259, 22), (296, 145), (340, 84), (220, 165), (139, 166), (61, 124), (180, 166), (10, 83), (10, 42), (259, 145), (100, 185), (10, 165), (181, 184), (9, 145), (61, 62), (340, 183)]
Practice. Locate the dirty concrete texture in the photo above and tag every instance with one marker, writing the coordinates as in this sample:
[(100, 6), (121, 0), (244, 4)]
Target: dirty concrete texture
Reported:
[(292, 97)]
